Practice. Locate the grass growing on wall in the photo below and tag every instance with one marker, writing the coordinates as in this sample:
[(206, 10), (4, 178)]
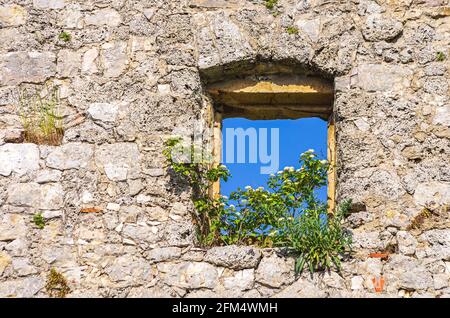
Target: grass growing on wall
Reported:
[(40, 116)]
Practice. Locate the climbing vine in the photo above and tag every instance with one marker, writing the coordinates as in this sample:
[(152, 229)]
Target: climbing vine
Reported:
[(286, 213)]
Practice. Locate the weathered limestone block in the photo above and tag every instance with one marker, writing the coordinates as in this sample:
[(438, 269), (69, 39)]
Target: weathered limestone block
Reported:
[(21, 288), (103, 111), (141, 232), (70, 156), (241, 280), (46, 197), (234, 257), (18, 158), (5, 261), (275, 271), (438, 243), (19, 246), (23, 267), (114, 58), (89, 65), (156, 213), (120, 161), (381, 77), (215, 3), (432, 193), (72, 17), (12, 15), (129, 270), (34, 67), (367, 240), (189, 275), (441, 280), (152, 292), (179, 234), (442, 116), (12, 227), (415, 279), (357, 283), (379, 28), (69, 63), (163, 254), (49, 4), (310, 27), (406, 243), (302, 288), (46, 176), (220, 39), (109, 17)]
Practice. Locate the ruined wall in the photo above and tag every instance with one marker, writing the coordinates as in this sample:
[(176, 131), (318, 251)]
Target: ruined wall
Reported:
[(130, 76)]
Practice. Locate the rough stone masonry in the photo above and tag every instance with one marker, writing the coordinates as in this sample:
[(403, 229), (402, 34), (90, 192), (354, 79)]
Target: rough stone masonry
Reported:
[(132, 75)]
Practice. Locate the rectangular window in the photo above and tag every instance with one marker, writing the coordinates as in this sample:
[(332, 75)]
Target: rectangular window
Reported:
[(248, 116)]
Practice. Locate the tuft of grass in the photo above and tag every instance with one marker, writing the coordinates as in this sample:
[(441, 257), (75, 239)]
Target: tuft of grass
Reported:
[(419, 219), (39, 221), (270, 4), (56, 285), (40, 117), (65, 36), (440, 56), (292, 30)]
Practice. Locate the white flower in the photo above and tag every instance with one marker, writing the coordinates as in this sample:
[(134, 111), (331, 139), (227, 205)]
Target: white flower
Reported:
[(225, 197), (291, 169), (222, 166), (309, 151), (323, 161), (272, 175), (248, 188), (280, 172), (232, 206), (260, 189), (286, 168)]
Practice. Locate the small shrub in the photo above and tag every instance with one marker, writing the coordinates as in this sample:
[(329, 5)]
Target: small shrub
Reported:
[(440, 56), (65, 36), (292, 30), (419, 219), (56, 284), (39, 220), (270, 4), (40, 117)]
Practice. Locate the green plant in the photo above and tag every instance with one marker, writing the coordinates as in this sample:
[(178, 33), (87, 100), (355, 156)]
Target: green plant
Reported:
[(39, 220), (56, 284), (200, 177), (65, 36), (286, 214), (39, 113), (319, 239), (292, 30), (440, 56), (270, 4)]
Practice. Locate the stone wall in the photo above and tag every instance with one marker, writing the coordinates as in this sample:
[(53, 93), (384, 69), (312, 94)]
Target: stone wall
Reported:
[(132, 74)]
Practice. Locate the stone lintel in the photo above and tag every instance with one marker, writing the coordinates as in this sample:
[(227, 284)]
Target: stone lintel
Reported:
[(274, 97)]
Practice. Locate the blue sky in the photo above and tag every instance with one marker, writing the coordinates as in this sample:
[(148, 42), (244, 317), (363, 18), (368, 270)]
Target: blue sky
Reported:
[(296, 136)]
